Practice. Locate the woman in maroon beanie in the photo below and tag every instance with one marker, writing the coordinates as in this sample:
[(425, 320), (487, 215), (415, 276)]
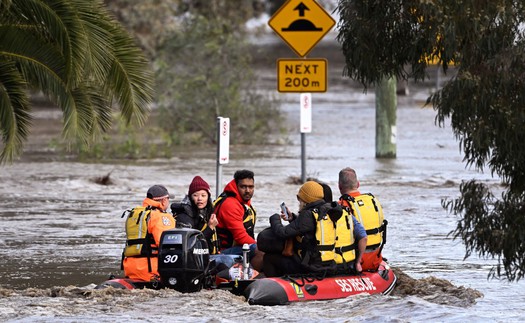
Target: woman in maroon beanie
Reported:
[(196, 211)]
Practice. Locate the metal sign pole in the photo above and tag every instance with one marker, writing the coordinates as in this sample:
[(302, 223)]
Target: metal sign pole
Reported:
[(218, 175), (223, 150), (303, 157), (306, 127)]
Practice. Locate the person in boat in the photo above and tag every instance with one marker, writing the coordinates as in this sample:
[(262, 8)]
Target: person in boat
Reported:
[(368, 211), (314, 236), (237, 217), (195, 211), (301, 231), (359, 233), (140, 255)]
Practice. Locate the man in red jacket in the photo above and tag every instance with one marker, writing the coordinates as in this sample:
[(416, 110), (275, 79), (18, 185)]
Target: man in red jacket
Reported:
[(237, 216)]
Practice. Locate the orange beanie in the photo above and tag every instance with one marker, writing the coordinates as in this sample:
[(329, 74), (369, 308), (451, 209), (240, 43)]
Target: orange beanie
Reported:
[(310, 192)]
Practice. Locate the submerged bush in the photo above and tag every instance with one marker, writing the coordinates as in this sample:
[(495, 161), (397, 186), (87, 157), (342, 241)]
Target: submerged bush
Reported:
[(203, 72)]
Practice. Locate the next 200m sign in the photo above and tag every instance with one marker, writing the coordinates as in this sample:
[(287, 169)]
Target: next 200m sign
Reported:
[(301, 75)]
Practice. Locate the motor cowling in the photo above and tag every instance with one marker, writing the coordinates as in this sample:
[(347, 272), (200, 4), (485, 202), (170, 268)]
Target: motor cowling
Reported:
[(183, 259)]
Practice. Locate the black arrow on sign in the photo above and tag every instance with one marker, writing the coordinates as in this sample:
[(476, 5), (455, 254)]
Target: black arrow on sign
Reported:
[(301, 8), (302, 24)]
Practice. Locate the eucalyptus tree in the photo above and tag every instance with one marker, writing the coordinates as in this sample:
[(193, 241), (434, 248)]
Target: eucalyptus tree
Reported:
[(485, 100), (205, 70), (78, 56)]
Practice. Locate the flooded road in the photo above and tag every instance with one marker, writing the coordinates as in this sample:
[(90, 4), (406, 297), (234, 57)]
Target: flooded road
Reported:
[(62, 233)]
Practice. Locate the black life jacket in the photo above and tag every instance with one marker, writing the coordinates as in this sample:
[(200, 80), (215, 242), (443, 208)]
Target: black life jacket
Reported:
[(177, 208), (249, 218)]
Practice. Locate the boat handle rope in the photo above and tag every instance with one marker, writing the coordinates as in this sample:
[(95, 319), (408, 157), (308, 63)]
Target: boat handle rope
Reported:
[(306, 278)]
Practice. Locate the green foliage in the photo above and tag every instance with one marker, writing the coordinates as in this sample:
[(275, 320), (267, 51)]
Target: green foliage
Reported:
[(380, 39), (76, 55), (153, 21), (492, 227), (485, 101), (126, 141), (149, 21), (204, 72), (203, 66)]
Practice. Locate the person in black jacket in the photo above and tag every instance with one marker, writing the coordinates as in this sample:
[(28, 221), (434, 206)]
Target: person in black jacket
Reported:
[(196, 212), (302, 228)]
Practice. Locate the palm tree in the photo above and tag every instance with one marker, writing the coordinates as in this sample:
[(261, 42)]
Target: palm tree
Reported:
[(78, 56)]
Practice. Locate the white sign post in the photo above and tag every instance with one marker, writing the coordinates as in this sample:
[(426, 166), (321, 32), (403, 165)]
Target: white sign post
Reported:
[(306, 112), (224, 140), (223, 149)]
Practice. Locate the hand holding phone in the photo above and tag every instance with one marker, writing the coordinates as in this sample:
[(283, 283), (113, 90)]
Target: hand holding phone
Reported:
[(285, 212)]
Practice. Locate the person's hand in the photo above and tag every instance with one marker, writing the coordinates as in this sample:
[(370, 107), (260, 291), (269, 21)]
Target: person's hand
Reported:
[(285, 217), (212, 222), (358, 267)]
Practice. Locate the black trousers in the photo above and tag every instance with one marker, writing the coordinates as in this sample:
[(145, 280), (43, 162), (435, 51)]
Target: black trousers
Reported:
[(275, 265)]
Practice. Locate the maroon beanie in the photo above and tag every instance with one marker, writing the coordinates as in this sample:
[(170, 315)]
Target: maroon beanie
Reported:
[(198, 184)]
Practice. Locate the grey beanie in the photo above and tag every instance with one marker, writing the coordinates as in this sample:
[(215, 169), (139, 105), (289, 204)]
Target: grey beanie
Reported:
[(157, 192)]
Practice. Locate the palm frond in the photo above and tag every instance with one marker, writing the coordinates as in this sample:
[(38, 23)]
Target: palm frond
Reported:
[(14, 107), (56, 23), (128, 80), (21, 45), (92, 111), (95, 23), (78, 56)]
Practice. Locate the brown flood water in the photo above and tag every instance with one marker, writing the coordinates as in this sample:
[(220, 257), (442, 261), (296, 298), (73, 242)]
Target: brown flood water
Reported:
[(62, 233)]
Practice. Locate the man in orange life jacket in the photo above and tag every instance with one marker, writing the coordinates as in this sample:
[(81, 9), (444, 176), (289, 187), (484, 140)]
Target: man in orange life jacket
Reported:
[(368, 211), (138, 267), (237, 217)]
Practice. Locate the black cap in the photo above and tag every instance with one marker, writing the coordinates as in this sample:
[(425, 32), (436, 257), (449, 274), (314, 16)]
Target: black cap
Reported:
[(157, 192)]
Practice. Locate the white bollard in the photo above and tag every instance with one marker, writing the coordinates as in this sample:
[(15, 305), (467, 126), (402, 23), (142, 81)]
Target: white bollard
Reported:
[(245, 261)]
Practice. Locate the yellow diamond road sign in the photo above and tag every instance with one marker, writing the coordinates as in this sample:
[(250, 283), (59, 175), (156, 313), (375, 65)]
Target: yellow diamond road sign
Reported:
[(301, 24)]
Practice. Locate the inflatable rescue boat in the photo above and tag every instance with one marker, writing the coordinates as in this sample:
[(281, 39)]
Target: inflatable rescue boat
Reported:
[(189, 269), (284, 290)]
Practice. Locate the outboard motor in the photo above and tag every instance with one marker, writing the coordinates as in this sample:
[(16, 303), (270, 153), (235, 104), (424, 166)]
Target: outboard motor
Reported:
[(183, 259)]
